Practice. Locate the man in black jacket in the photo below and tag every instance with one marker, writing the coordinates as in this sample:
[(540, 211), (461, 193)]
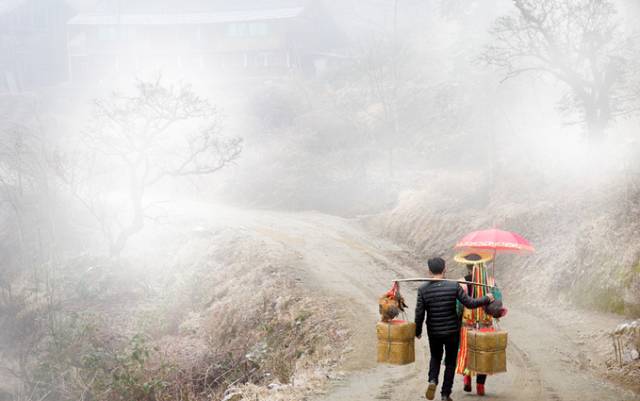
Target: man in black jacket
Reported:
[(438, 300)]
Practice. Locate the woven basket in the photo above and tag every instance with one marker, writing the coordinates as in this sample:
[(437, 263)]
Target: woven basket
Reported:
[(487, 351), (396, 342)]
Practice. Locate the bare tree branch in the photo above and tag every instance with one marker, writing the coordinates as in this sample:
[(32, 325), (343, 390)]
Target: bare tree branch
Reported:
[(135, 141), (579, 43)]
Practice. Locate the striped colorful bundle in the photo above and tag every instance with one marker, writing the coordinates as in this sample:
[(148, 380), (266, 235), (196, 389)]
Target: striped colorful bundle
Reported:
[(474, 319), (479, 316)]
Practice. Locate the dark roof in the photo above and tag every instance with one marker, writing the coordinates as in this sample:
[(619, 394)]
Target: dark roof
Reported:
[(172, 12), (190, 6), (186, 18)]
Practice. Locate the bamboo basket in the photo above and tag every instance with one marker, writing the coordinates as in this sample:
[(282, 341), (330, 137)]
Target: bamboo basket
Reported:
[(396, 342), (487, 351)]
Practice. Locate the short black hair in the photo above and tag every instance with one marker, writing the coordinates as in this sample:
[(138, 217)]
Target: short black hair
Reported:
[(436, 265)]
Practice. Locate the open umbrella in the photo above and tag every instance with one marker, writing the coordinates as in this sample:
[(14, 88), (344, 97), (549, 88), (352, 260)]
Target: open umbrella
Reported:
[(495, 240)]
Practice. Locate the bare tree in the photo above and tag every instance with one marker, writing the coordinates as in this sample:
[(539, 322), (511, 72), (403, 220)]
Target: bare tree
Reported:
[(579, 43), (136, 141)]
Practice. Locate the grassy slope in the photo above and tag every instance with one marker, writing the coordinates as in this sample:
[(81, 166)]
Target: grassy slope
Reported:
[(203, 311)]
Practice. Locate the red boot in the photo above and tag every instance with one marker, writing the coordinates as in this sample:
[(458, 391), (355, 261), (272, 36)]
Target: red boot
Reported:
[(467, 384), (480, 389)]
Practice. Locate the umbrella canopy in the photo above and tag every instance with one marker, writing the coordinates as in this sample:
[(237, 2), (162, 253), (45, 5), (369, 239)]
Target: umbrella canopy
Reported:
[(495, 240)]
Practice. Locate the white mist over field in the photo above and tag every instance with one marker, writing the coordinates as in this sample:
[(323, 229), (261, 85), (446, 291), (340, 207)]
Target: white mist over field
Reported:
[(190, 190)]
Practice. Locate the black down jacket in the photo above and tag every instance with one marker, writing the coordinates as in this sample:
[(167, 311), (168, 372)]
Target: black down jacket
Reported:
[(438, 300)]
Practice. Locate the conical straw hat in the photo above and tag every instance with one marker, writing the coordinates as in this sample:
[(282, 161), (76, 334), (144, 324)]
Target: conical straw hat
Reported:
[(473, 257)]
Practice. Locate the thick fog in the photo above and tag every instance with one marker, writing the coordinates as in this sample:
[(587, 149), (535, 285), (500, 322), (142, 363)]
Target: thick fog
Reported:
[(131, 130)]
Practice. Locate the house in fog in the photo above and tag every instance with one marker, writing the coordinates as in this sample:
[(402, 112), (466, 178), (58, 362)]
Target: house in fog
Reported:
[(33, 44), (245, 37)]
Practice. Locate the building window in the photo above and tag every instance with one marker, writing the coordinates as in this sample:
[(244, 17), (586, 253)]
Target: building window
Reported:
[(247, 29)]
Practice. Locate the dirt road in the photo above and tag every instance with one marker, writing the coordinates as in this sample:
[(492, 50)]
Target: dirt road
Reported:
[(342, 259)]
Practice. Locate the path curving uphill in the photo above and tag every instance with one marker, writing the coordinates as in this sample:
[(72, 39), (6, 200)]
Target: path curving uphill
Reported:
[(339, 258), (343, 259)]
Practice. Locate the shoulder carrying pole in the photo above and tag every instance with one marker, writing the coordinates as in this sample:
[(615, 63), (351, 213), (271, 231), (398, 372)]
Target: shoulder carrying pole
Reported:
[(404, 280)]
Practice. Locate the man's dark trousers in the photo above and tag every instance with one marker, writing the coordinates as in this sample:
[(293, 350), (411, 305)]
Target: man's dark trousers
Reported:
[(449, 344)]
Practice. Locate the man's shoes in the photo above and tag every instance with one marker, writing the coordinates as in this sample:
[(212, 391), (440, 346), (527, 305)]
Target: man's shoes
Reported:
[(446, 398), (480, 389), (431, 390), (467, 384)]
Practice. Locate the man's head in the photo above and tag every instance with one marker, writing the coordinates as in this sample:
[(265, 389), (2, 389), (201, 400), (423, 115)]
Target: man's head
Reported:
[(436, 265)]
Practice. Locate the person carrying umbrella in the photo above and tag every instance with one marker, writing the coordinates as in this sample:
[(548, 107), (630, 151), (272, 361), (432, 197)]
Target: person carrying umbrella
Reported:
[(479, 247), (474, 318)]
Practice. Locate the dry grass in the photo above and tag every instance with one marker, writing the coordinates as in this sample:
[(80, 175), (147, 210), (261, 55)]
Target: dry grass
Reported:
[(225, 316), (255, 325)]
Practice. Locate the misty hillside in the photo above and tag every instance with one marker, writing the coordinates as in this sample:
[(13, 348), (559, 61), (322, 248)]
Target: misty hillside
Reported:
[(204, 200)]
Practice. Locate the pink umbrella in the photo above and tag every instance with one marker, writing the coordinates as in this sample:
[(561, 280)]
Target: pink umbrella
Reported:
[(495, 240)]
